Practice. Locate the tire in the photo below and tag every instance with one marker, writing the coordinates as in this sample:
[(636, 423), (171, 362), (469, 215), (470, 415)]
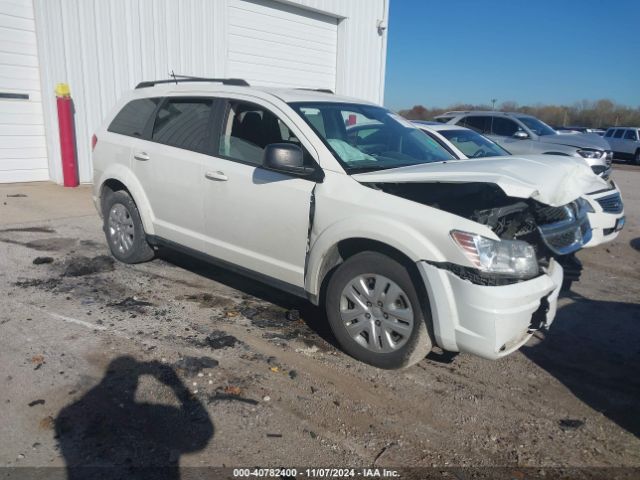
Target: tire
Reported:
[(123, 229), (635, 160), (393, 350), (566, 286)]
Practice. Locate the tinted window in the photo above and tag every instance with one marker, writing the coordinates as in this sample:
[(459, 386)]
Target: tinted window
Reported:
[(540, 128), (609, 133), (183, 123), (618, 133), (479, 124), (504, 127), (133, 117), (630, 135), (249, 128)]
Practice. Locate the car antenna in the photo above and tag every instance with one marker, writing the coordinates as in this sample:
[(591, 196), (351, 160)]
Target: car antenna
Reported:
[(172, 74)]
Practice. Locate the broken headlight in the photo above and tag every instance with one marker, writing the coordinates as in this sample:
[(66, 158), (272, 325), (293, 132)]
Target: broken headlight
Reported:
[(504, 257)]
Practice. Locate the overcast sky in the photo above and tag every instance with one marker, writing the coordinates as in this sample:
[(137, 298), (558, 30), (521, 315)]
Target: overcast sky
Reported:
[(442, 52)]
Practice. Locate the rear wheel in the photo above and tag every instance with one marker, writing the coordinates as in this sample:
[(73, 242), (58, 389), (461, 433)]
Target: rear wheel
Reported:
[(124, 230), (375, 313), (636, 158)]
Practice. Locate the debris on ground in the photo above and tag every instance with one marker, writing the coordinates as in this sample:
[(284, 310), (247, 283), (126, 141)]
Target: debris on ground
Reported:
[(42, 260), (232, 390), (274, 435), (570, 423), (40, 401), (293, 315), (293, 374), (80, 266), (16, 195), (194, 365), (45, 284), (218, 339), (131, 303), (37, 359)]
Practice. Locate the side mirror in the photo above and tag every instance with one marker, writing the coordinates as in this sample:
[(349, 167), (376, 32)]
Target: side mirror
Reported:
[(285, 158), (521, 135)]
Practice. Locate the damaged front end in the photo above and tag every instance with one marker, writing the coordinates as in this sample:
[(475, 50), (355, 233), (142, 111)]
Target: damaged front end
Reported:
[(551, 231)]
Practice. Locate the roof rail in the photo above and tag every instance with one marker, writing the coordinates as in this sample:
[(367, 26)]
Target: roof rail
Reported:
[(321, 90), (239, 82)]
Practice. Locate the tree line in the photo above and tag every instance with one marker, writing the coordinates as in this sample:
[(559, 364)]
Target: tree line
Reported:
[(594, 114)]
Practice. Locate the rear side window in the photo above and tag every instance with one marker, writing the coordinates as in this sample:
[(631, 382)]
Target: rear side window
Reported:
[(443, 119), (618, 133), (630, 135), (609, 133), (504, 127), (184, 123), (133, 117)]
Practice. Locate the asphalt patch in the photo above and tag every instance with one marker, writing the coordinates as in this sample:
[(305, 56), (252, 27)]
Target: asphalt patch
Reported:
[(218, 340), (42, 260), (81, 266), (570, 423), (30, 230)]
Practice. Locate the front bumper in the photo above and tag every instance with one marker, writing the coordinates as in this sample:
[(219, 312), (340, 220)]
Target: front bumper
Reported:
[(605, 225), (489, 321)]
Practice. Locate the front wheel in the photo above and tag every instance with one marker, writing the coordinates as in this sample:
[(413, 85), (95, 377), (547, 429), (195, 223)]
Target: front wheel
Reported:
[(636, 158), (123, 228), (375, 313)]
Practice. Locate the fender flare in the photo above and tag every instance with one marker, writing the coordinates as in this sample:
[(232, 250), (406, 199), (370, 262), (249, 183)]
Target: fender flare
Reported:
[(125, 176)]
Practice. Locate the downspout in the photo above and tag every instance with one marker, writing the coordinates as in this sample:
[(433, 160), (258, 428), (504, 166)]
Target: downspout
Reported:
[(383, 27)]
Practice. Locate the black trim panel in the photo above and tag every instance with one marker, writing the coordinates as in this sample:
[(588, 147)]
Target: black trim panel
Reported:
[(14, 96), (260, 277)]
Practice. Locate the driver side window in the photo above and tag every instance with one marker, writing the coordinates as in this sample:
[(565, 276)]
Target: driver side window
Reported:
[(248, 129), (504, 127)]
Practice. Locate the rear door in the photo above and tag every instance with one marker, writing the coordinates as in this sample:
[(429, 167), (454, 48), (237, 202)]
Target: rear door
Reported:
[(170, 163), (255, 218), (616, 140), (629, 142)]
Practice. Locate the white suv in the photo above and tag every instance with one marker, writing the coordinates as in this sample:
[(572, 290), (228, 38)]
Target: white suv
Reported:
[(404, 249)]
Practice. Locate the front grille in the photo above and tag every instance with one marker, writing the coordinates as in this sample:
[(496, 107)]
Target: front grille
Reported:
[(611, 203), (547, 214)]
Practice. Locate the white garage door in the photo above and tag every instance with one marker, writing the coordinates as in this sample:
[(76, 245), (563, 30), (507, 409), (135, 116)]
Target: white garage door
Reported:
[(23, 154), (279, 45)]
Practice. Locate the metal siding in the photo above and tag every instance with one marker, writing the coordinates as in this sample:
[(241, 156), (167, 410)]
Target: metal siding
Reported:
[(22, 138), (102, 48)]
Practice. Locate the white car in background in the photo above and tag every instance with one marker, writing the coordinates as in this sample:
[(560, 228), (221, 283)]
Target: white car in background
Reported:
[(607, 209)]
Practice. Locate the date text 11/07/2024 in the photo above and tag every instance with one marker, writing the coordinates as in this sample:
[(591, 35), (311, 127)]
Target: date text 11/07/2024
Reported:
[(315, 473)]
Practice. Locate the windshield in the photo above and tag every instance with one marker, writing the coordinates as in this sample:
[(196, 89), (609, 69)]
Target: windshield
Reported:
[(472, 144), (537, 126), (367, 138)]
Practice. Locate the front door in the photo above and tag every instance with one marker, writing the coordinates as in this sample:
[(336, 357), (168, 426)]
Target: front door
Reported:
[(255, 218)]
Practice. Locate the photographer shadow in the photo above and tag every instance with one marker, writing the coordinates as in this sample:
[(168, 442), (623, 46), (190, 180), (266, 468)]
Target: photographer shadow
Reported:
[(106, 434)]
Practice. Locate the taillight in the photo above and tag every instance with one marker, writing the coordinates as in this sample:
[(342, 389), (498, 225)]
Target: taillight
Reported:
[(94, 141)]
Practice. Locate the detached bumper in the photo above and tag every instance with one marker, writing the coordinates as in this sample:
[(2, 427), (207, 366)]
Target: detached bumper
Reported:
[(489, 321)]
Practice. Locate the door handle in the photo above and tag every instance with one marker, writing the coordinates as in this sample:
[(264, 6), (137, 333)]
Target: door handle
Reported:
[(219, 176), (142, 156)]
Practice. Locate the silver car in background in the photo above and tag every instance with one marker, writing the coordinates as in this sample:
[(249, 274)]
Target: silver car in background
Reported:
[(625, 143), (523, 134)]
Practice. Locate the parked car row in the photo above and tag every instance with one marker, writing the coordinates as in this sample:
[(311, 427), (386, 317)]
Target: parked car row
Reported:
[(523, 134), (406, 240)]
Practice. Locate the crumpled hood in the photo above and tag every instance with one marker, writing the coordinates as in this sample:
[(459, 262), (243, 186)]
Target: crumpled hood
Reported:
[(550, 179), (577, 140)]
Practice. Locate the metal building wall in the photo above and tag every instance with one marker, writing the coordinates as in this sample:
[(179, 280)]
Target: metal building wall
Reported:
[(103, 48)]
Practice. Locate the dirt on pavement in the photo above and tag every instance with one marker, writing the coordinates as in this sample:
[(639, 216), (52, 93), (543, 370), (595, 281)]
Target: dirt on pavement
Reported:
[(175, 362)]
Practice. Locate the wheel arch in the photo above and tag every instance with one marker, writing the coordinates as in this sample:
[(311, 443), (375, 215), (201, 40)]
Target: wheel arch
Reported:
[(121, 178)]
